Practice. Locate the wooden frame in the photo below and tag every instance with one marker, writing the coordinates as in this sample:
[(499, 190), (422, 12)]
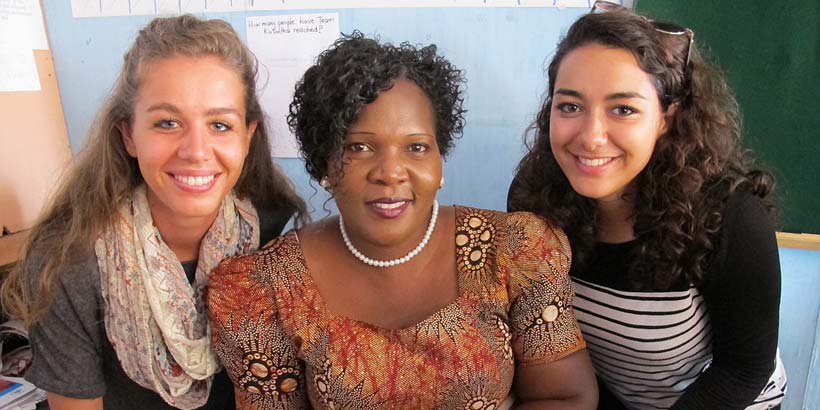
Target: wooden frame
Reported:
[(807, 241), (11, 246)]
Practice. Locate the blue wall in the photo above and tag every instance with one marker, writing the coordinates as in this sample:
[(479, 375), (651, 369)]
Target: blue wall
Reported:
[(800, 327), (502, 50), (504, 54)]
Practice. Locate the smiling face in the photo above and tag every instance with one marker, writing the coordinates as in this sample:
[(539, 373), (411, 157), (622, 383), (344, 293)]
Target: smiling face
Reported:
[(189, 135), (605, 119), (391, 170)]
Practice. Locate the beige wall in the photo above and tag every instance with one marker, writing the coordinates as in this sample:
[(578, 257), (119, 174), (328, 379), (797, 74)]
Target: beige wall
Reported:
[(34, 147)]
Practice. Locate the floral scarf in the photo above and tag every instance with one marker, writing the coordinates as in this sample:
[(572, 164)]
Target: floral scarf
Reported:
[(148, 299)]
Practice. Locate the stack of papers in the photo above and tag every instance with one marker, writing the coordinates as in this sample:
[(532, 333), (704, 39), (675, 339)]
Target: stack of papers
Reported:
[(15, 349), (15, 356), (18, 394)]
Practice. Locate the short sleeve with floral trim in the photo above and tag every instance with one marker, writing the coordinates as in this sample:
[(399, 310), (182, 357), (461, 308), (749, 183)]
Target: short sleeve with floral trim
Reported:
[(284, 350)]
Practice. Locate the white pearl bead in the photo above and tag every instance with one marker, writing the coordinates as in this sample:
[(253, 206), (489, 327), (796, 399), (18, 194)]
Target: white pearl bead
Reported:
[(393, 262)]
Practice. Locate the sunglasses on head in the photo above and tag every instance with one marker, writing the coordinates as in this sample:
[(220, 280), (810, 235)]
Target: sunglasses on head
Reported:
[(672, 29)]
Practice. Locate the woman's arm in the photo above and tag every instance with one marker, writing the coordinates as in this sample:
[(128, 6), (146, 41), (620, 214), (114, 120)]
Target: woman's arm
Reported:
[(553, 370), (67, 342), (742, 296), (244, 320), (57, 402), (567, 383)]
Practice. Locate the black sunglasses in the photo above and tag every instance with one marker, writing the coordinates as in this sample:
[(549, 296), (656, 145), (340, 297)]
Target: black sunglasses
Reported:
[(602, 6)]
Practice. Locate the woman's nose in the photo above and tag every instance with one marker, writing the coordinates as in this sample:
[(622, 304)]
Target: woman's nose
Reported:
[(194, 144), (594, 132), (390, 168)]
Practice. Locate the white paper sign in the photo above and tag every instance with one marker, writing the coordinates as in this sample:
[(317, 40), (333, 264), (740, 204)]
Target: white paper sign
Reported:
[(21, 25), (18, 70), (286, 45)]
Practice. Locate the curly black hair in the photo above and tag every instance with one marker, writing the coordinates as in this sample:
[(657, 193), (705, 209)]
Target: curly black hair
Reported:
[(352, 73), (682, 192)]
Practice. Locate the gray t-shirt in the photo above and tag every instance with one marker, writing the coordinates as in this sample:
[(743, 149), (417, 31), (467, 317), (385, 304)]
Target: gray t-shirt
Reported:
[(73, 356)]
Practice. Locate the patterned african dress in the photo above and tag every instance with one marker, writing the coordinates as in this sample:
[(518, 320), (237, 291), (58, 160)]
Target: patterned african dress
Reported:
[(283, 349)]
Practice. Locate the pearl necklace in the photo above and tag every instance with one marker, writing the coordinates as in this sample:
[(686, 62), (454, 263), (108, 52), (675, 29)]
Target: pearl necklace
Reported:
[(393, 262)]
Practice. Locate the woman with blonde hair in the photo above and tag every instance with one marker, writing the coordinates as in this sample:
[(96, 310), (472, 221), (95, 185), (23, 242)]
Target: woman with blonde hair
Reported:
[(176, 175)]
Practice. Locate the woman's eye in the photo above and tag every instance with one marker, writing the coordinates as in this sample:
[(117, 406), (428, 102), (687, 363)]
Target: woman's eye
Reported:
[(166, 124), (358, 147), (221, 126), (419, 148), (623, 111), (568, 108)]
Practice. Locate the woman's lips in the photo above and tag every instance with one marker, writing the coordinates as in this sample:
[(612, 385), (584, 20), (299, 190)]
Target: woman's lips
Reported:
[(195, 183), (595, 162), (594, 165), (388, 208)]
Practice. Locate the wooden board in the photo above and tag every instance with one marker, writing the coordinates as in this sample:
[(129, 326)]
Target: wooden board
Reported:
[(35, 147)]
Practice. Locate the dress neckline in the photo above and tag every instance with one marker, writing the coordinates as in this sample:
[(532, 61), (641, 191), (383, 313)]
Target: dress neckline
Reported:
[(327, 315)]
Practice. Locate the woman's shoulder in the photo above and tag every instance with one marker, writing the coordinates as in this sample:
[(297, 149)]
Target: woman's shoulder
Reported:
[(247, 284), (474, 217), (743, 199), (737, 199), (76, 278), (744, 210), (501, 217), (747, 216), (513, 232), (228, 271)]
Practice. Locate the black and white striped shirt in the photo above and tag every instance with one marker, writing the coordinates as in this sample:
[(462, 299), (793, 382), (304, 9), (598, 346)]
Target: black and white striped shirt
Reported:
[(712, 346)]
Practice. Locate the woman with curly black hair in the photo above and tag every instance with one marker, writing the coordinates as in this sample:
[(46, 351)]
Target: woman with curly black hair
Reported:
[(637, 157), (397, 302)]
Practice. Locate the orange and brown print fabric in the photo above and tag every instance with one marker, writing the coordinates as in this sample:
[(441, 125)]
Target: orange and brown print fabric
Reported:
[(285, 350)]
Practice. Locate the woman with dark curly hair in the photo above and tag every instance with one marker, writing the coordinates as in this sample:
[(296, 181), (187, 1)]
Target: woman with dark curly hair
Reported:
[(397, 302), (675, 266)]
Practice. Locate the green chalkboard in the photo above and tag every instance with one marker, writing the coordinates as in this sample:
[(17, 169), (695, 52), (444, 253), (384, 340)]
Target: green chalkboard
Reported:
[(770, 52)]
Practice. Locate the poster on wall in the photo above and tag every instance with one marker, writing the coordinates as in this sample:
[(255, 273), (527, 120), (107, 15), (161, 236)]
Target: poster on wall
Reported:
[(286, 45), (21, 31), (18, 70), (21, 25), (101, 8)]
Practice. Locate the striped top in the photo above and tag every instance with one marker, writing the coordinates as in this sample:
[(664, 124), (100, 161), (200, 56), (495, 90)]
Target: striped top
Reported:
[(711, 346), (648, 347)]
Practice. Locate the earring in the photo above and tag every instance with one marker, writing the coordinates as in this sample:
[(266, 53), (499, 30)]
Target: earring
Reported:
[(441, 183), (324, 183)]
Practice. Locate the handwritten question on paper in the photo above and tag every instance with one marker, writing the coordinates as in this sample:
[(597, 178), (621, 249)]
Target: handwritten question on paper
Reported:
[(285, 46), (306, 24)]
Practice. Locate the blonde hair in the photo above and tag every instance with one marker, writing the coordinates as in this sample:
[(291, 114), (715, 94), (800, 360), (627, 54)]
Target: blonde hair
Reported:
[(103, 174)]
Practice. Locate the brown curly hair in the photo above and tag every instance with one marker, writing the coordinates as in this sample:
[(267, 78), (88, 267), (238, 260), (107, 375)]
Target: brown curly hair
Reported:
[(682, 192)]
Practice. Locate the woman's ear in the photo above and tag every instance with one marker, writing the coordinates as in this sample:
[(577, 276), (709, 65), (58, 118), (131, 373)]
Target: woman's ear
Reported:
[(251, 129), (127, 139), (668, 117)]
